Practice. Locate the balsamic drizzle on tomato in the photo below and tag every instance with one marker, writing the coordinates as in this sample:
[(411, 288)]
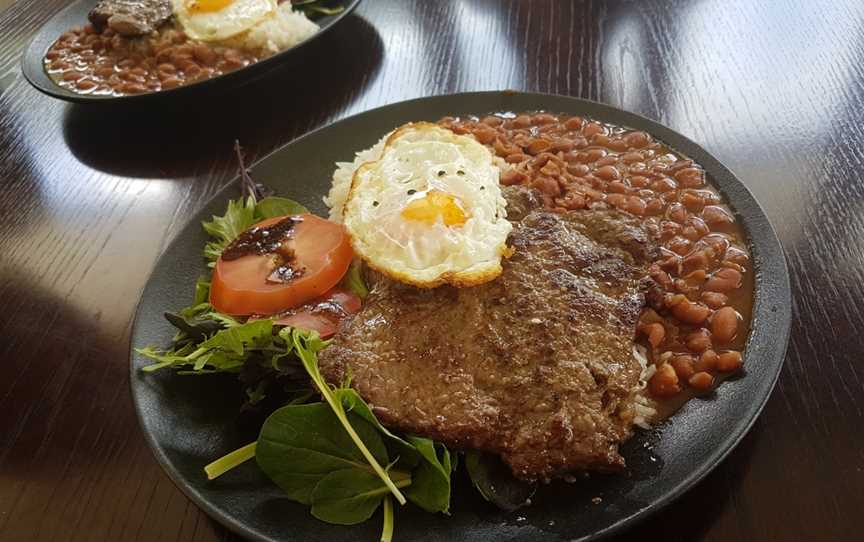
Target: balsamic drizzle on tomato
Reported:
[(261, 241), (285, 271)]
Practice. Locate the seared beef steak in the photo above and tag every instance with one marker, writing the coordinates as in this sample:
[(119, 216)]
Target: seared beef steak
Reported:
[(536, 365), (130, 17)]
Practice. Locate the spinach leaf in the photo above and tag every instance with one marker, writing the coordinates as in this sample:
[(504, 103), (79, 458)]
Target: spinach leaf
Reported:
[(237, 218), (276, 206), (430, 481), (495, 482), (301, 444), (429, 461), (307, 346), (406, 454), (348, 497)]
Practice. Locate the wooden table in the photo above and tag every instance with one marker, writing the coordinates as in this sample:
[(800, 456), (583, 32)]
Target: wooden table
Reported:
[(90, 196)]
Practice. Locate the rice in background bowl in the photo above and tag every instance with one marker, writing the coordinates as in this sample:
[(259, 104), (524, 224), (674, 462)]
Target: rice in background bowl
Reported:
[(282, 30)]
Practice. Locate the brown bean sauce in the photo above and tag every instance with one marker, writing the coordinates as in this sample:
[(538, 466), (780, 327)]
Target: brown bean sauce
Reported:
[(703, 264), (87, 61)]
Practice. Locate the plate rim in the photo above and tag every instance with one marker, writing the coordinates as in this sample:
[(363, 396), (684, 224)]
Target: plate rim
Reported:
[(712, 461), (42, 82)]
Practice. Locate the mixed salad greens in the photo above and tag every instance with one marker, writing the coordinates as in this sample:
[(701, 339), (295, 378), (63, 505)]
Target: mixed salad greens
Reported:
[(323, 446)]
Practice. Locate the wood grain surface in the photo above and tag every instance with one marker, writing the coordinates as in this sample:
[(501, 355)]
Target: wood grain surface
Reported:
[(89, 196)]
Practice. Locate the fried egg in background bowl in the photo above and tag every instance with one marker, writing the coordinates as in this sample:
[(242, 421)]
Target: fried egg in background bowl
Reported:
[(217, 20), (428, 210)]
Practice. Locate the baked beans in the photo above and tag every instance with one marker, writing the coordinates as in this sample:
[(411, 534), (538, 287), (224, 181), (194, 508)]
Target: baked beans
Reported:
[(86, 61), (697, 316)]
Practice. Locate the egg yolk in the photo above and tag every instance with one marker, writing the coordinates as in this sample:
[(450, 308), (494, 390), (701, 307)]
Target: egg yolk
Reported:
[(435, 205), (207, 5)]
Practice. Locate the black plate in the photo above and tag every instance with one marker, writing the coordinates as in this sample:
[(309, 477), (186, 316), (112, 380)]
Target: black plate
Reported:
[(76, 15), (190, 421)]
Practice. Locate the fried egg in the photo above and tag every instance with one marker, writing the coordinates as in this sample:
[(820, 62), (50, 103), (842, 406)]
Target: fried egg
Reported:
[(216, 20), (429, 210)]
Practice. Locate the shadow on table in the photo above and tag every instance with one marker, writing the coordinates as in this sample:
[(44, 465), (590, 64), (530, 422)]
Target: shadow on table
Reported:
[(175, 137)]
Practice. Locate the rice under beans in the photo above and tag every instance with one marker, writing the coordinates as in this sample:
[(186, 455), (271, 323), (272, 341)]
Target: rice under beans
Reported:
[(645, 411)]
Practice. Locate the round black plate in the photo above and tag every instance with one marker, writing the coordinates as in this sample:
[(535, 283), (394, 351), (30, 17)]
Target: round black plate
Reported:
[(189, 421), (76, 15)]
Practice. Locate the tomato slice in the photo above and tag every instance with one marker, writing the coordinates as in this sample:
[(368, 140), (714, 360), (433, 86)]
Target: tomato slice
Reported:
[(348, 301), (309, 321), (323, 314), (320, 249)]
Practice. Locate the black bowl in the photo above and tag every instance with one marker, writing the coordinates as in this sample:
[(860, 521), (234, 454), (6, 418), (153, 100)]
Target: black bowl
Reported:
[(189, 421), (76, 15)]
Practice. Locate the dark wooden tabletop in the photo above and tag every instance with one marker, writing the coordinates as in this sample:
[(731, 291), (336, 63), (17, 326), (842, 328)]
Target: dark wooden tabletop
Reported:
[(90, 196)]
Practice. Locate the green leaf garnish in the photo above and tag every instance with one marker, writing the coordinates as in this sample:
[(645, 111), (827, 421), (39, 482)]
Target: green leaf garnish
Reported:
[(225, 351), (202, 291), (353, 280), (235, 339), (239, 216), (275, 206)]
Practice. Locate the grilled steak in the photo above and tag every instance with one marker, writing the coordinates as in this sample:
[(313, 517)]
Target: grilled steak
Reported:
[(536, 365), (130, 17)]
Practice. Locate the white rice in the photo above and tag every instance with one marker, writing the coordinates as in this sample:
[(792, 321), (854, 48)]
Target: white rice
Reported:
[(335, 200), (282, 30), (645, 411)]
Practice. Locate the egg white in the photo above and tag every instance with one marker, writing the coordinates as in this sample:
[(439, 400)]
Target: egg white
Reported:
[(235, 18), (416, 159)]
